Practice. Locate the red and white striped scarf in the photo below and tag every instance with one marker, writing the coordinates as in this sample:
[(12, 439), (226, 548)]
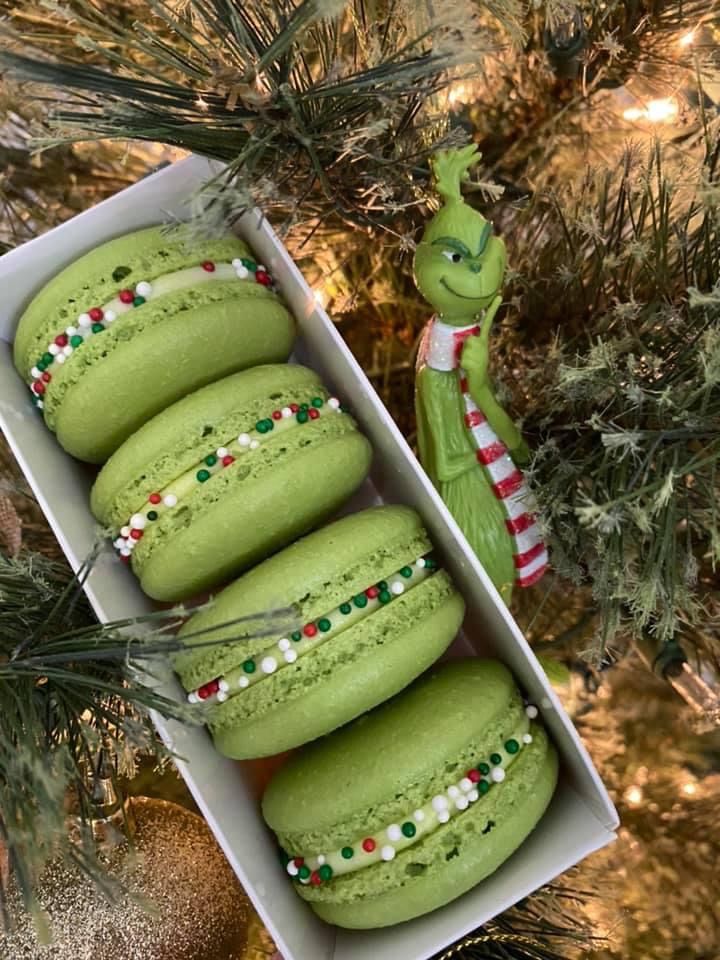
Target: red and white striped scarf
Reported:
[(441, 350)]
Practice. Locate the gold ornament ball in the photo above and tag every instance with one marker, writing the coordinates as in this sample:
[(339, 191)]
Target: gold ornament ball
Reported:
[(180, 900)]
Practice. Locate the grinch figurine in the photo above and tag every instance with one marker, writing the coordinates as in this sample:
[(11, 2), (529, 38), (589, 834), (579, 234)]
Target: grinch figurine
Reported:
[(469, 446)]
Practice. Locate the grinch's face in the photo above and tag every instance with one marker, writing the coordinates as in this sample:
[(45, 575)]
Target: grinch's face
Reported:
[(459, 264)]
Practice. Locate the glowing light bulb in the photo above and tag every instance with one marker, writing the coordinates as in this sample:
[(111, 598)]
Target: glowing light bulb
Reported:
[(633, 113), (689, 788), (201, 104), (687, 39), (633, 796), (660, 110)]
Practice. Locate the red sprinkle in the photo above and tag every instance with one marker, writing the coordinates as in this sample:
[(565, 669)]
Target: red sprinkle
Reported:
[(154, 498), (294, 407), (47, 377), (126, 296), (313, 413), (276, 415), (125, 559), (136, 534), (208, 265), (61, 339), (263, 278), (203, 693), (310, 630), (368, 845), (299, 861), (96, 314), (226, 461), (473, 775), (39, 386), (315, 878), (372, 592)]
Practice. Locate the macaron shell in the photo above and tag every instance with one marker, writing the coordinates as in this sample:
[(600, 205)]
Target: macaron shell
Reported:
[(451, 860), (103, 403), (370, 662), (250, 521)]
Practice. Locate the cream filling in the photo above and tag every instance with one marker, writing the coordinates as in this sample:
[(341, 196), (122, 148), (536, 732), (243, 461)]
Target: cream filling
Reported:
[(440, 809), (159, 502), (313, 634)]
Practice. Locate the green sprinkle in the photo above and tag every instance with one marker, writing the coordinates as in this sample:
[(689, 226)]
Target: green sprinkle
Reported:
[(406, 572), (138, 301), (152, 515), (304, 872), (484, 768), (76, 340), (382, 585), (41, 365), (325, 871), (317, 401), (409, 829), (284, 858), (203, 475), (296, 636), (249, 666), (483, 786), (211, 459), (512, 746), (250, 264), (302, 416), (48, 357), (347, 853), (385, 596), (261, 426), (324, 625), (345, 608), (97, 328), (360, 600), (495, 758), (304, 406)]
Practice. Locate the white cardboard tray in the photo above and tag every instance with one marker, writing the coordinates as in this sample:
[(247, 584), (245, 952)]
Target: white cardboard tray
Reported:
[(581, 818)]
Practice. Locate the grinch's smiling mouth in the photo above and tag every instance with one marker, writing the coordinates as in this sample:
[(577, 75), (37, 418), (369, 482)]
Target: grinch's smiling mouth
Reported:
[(455, 293)]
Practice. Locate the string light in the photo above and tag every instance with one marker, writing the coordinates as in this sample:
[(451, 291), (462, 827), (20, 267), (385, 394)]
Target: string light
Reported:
[(654, 111), (687, 39), (689, 788), (633, 796)]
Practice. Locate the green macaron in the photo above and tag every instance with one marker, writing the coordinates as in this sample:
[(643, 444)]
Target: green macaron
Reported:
[(138, 323), (227, 476), (413, 804), (368, 609)]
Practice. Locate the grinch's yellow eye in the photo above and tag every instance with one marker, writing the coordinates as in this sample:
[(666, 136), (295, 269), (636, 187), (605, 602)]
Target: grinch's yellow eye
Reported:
[(452, 255)]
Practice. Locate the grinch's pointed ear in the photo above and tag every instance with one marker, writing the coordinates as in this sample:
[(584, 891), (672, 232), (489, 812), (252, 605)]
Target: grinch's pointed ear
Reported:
[(451, 168)]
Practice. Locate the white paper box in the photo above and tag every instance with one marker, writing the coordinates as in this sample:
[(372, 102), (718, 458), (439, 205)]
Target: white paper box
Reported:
[(581, 818)]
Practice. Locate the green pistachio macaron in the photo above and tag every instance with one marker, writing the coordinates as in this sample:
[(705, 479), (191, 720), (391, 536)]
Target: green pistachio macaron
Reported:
[(138, 323), (413, 804), (227, 476), (368, 610)]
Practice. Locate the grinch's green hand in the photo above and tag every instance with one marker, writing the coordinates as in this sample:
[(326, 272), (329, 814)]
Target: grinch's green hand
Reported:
[(476, 351)]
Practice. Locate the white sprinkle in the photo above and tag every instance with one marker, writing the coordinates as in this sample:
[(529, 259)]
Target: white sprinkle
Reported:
[(36, 373), (130, 543), (443, 816), (268, 664), (143, 289), (292, 869), (241, 272), (334, 403), (531, 711), (237, 262), (110, 315), (497, 774), (244, 440), (394, 832), (125, 552), (284, 644), (420, 563), (261, 267), (68, 349), (527, 738), (138, 520), (462, 803), (120, 542), (388, 853), (286, 413), (192, 698), (222, 697), (54, 349), (321, 859), (254, 444), (466, 785), (39, 404), (439, 803), (60, 358), (222, 452), (453, 792), (473, 796), (397, 588), (170, 500), (71, 331), (244, 682), (224, 685), (84, 320), (124, 531), (290, 656), (419, 816)]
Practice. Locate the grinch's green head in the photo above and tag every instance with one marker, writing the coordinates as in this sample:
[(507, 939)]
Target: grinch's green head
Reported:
[(459, 264)]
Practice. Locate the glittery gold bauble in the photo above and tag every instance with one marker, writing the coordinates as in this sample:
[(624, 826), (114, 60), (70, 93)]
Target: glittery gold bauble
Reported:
[(183, 901)]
